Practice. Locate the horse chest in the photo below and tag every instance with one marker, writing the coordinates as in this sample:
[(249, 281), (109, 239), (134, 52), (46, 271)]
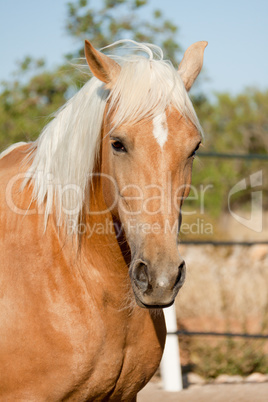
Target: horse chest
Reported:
[(84, 355), (126, 354)]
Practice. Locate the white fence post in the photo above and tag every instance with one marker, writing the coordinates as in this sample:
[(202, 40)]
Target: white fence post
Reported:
[(170, 366)]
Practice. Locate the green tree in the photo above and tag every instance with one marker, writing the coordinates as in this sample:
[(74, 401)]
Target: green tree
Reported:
[(232, 124), (120, 19), (239, 123), (26, 105)]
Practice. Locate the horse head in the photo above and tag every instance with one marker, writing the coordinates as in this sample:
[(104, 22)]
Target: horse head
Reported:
[(148, 154)]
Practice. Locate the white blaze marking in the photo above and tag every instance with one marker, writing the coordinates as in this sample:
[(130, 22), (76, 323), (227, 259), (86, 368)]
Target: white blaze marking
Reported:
[(160, 129)]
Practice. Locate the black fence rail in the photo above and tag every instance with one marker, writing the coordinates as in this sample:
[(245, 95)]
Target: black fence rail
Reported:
[(219, 334), (222, 243), (233, 156), (227, 243)]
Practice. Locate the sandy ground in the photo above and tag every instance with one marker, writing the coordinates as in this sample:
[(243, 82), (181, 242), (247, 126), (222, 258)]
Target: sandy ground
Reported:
[(249, 392)]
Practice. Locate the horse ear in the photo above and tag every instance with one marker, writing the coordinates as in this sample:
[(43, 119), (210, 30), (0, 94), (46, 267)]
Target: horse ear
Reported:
[(191, 64), (102, 66)]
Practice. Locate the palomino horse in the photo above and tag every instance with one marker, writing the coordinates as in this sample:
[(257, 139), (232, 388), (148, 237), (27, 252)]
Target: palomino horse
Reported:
[(89, 220)]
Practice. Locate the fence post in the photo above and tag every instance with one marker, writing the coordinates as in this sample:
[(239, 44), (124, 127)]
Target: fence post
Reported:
[(170, 366)]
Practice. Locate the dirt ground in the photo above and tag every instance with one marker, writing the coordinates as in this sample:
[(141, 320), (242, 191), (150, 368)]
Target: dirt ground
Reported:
[(249, 392)]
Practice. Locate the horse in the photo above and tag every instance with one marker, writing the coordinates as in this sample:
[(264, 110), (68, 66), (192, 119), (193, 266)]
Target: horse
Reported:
[(90, 215)]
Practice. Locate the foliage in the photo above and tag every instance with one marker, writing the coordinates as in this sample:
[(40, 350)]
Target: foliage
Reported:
[(26, 105), (120, 19), (239, 123), (233, 125), (233, 357)]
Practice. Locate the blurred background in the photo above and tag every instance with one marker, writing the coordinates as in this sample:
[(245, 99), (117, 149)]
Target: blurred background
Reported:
[(225, 220)]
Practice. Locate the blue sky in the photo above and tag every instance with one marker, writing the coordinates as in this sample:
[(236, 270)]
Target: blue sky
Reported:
[(237, 32)]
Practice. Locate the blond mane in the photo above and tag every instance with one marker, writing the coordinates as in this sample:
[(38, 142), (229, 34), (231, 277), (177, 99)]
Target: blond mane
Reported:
[(64, 155)]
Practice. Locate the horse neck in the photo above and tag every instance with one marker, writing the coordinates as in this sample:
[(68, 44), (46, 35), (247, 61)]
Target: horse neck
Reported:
[(102, 240)]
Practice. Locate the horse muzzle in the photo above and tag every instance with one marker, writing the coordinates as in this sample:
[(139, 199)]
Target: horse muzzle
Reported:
[(154, 287)]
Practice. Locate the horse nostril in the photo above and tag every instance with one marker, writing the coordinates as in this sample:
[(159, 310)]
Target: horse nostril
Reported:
[(141, 276), (181, 274)]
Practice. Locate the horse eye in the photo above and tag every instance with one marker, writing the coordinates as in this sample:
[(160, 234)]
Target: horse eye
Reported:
[(194, 152), (118, 146)]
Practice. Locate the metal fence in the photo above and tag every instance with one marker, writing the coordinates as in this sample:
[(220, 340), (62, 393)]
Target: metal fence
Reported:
[(169, 377), (225, 243), (220, 334), (233, 156)]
